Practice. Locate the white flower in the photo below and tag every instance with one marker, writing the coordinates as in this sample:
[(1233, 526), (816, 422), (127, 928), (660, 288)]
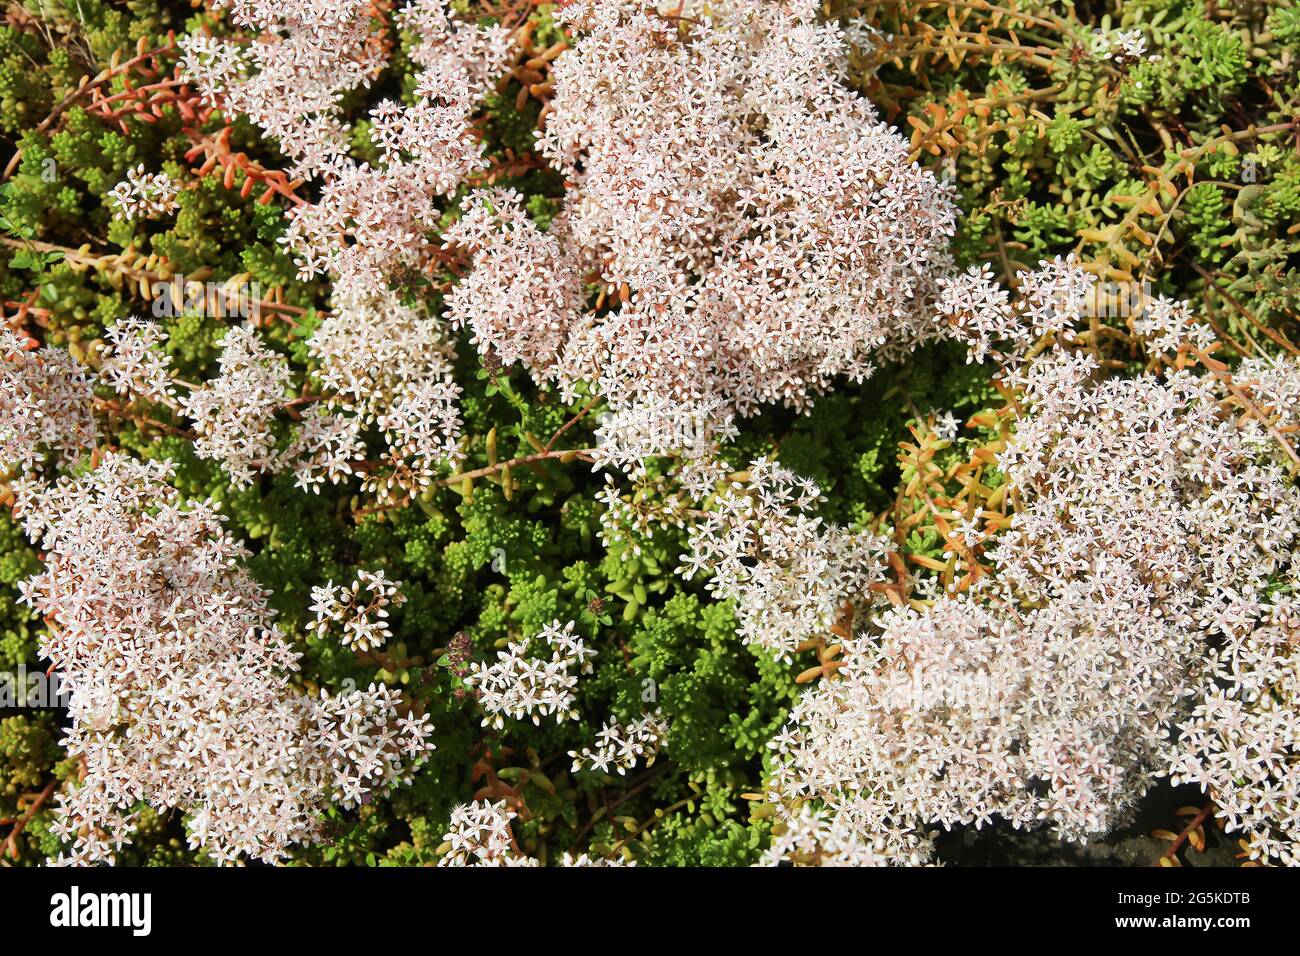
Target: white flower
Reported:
[(756, 231), (46, 403), (233, 413), (180, 689), (360, 612), (619, 747), (517, 685), (789, 574), (947, 426), (479, 834), (133, 365), (1153, 519), (143, 195)]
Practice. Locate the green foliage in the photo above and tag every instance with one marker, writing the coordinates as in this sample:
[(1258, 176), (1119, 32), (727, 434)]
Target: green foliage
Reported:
[(1174, 167)]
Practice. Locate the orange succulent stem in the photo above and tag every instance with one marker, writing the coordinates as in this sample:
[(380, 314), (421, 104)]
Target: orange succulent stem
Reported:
[(1201, 816)]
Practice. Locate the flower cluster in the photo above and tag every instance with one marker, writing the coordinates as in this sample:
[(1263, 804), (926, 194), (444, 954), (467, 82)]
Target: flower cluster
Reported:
[(233, 413), (981, 314), (362, 620), (789, 574), (520, 298), (817, 838), (387, 364), (693, 432), (369, 221), (1121, 46), (583, 859), (132, 363), (289, 81), (180, 692), (143, 195), (652, 502), (290, 78), (479, 834), (619, 746), (518, 685), (755, 228), (1239, 743), (46, 402), (325, 446), (1148, 523)]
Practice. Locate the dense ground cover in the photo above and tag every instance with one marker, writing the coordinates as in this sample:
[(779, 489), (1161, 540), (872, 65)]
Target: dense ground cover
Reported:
[(568, 393)]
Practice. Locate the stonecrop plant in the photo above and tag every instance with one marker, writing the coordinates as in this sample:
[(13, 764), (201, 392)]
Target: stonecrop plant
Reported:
[(754, 230), (1149, 524), (595, 433)]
